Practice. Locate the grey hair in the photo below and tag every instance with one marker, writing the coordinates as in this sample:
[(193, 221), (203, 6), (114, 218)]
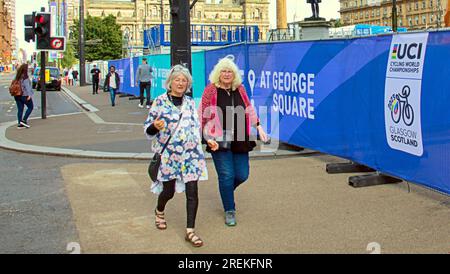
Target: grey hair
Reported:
[(174, 72)]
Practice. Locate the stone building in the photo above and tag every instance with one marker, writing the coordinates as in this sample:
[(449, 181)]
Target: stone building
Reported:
[(136, 15), (7, 39), (412, 14)]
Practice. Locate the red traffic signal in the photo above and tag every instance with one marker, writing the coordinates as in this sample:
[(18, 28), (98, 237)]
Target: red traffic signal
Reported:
[(42, 30), (40, 19)]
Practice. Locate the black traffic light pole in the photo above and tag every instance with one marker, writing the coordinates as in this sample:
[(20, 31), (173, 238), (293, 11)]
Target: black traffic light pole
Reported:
[(43, 88), (180, 38), (38, 27)]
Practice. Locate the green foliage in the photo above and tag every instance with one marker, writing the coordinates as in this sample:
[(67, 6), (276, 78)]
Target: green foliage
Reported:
[(103, 38), (337, 23), (69, 56)]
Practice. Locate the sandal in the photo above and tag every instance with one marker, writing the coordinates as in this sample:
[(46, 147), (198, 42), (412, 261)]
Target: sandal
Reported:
[(193, 239), (160, 221)]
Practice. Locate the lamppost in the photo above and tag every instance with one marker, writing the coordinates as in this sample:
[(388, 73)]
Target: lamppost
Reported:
[(394, 15), (439, 14), (81, 46)]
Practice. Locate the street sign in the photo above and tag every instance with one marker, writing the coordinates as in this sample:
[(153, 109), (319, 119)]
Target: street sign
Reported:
[(58, 43)]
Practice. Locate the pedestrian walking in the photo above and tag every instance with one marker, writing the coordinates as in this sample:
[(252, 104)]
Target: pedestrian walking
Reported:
[(227, 116), (65, 76), (95, 72), (24, 99), (112, 83), (182, 162), (75, 77), (144, 78), (70, 76)]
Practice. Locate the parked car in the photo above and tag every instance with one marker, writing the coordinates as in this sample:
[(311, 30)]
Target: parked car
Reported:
[(54, 82)]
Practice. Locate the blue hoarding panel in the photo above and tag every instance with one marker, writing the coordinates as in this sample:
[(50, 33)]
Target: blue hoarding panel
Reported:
[(330, 96), (380, 101)]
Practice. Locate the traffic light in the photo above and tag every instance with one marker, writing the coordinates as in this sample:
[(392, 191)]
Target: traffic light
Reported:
[(29, 20), (42, 30)]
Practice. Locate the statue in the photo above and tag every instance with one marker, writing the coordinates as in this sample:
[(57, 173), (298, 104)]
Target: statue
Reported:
[(315, 9)]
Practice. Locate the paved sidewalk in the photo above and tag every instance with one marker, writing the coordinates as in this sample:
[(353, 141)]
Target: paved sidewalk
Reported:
[(99, 131)]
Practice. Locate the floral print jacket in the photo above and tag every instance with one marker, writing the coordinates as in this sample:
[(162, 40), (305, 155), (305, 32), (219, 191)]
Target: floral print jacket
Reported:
[(183, 159)]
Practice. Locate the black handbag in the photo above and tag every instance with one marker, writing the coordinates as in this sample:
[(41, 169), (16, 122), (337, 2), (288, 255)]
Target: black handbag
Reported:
[(155, 162)]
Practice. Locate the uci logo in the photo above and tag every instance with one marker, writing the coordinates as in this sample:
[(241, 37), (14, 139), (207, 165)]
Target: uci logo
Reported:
[(412, 51)]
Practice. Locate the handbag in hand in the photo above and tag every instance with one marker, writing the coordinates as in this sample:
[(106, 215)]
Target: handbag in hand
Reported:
[(155, 162)]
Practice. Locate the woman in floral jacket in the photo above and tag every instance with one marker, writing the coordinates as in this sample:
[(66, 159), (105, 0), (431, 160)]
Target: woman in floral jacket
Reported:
[(183, 162)]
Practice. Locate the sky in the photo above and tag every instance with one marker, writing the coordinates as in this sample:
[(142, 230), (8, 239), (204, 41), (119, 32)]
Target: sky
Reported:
[(297, 10), (26, 7)]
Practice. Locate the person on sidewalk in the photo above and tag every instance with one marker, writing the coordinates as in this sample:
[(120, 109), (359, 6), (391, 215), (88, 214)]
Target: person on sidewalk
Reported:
[(144, 77), (182, 162), (95, 72), (226, 117), (75, 77), (70, 77), (26, 99), (112, 83), (65, 76)]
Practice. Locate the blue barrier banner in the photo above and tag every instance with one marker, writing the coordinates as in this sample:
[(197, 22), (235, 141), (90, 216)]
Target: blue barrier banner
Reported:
[(160, 64), (123, 69), (379, 101), (198, 74)]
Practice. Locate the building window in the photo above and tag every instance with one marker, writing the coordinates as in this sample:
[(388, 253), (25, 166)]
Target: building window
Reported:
[(257, 13), (417, 20), (424, 19)]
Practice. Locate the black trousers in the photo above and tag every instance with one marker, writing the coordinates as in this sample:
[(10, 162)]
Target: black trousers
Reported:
[(191, 200), (144, 86), (94, 86)]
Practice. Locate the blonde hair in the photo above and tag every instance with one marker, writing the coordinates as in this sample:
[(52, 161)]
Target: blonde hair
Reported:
[(174, 72), (226, 63)]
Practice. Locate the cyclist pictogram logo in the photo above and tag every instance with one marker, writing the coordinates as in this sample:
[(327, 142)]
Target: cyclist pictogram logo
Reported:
[(400, 107)]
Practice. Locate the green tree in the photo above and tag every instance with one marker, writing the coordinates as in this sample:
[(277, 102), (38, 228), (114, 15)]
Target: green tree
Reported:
[(103, 38), (337, 23), (68, 59)]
